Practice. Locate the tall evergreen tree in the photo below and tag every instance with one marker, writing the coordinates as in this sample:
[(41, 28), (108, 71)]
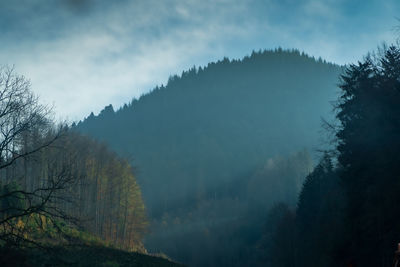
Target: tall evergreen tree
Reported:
[(368, 146), (319, 217)]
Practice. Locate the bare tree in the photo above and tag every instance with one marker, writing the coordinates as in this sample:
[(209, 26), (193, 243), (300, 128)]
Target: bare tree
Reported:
[(26, 130), (52, 176)]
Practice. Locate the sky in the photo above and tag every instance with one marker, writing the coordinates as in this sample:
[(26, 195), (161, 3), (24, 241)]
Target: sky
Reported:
[(81, 55)]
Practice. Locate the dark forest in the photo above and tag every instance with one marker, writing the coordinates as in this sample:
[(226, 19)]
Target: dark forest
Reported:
[(276, 158)]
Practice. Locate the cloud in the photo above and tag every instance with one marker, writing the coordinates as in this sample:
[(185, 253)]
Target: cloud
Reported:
[(121, 54), (323, 9), (84, 54), (80, 6)]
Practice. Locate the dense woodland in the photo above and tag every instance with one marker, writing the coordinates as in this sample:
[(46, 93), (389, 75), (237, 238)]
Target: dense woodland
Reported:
[(230, 189), (217, 146), (58, 187), (219, 123), (96, 188), (224, 156), (348, 212)]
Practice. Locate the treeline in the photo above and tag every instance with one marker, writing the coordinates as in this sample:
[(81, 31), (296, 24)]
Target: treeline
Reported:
[(225, 229), (214, 124), (104, 195), (218, 145), (348, 213), (51, 175)]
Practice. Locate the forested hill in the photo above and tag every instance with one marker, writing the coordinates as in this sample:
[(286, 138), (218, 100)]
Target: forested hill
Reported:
[(215, 124), (217, 146)]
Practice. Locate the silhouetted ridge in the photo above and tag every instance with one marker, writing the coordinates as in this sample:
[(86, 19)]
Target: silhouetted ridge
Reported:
[(266, 57), (250, 107), (206, 132)]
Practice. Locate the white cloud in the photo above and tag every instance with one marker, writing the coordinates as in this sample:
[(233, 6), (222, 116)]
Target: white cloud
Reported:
[(113, 53), (117, 59), (323, 9)]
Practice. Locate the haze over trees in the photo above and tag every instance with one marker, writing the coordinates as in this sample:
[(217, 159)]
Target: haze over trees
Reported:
[(220, 122), (368, 145), (347, 214), (218, 145), (224, 156), (58, 187), (104, 196)]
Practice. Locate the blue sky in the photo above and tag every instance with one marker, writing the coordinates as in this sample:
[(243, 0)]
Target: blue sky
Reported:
[(81, 55)]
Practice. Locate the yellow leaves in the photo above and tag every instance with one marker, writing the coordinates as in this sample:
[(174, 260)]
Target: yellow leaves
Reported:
[(74, 232), (43, 220), (20, 224)]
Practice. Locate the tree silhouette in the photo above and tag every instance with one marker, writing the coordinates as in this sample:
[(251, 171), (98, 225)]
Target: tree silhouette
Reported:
[(368, 147), (22, 117)]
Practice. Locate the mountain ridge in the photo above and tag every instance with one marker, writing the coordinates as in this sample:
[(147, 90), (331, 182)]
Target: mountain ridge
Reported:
[(180, 100), (223, 142)]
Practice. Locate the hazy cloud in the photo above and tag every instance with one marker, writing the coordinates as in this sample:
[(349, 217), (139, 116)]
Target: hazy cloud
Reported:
[(84, 54)]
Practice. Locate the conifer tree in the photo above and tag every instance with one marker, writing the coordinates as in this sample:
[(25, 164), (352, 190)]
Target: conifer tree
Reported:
[(368, 146)]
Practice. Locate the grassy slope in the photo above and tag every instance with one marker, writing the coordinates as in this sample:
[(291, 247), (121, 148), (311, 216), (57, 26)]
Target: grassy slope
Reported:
[(83, 256), (69, 247)]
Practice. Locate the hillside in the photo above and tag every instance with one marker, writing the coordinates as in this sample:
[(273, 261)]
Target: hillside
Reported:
[(213, 124), (214, 140), (84, 256)]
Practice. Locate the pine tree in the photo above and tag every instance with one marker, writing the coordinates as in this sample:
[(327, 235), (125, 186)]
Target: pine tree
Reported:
[(368, 146), (319, 217)]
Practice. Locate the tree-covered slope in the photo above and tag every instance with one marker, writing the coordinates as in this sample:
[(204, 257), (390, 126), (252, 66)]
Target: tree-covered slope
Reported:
[(215, 124)]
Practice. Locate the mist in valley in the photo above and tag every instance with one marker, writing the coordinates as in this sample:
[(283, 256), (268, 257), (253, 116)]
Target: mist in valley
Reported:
[(199, 133)]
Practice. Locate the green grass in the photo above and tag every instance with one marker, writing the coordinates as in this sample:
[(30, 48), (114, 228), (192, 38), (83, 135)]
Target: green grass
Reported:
[(80, 256), (65, 245)]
